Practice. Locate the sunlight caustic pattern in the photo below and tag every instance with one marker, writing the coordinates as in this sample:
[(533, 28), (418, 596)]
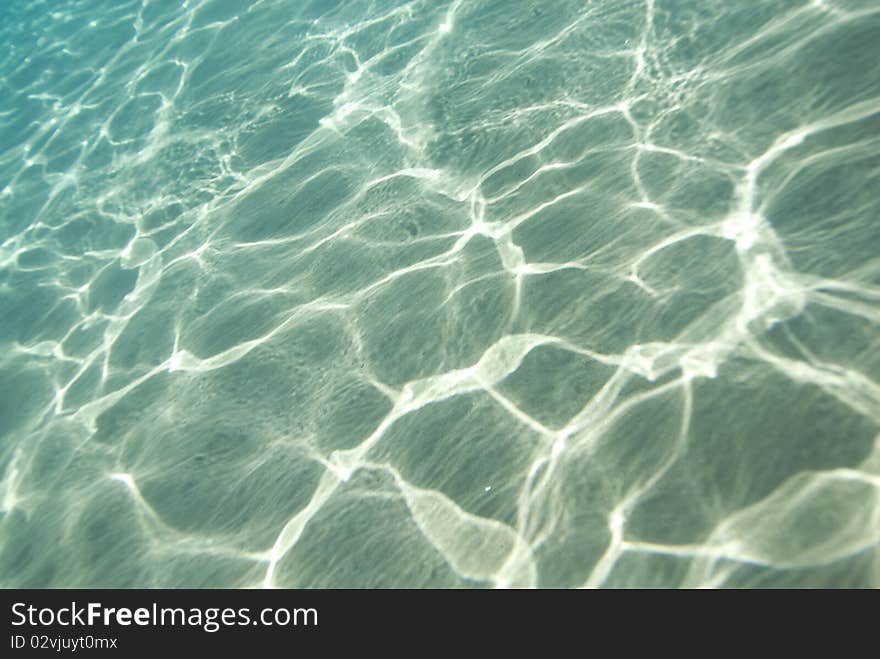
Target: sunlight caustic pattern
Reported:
[(452, 294)]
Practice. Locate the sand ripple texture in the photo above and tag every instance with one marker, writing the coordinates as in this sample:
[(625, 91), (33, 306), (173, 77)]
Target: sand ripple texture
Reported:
[(482, 293)]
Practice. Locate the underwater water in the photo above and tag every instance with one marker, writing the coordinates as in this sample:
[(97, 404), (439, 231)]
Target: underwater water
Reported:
[(440, 294)]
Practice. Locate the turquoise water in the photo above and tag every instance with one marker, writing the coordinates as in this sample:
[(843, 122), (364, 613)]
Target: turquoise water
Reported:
[(451, 294)]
